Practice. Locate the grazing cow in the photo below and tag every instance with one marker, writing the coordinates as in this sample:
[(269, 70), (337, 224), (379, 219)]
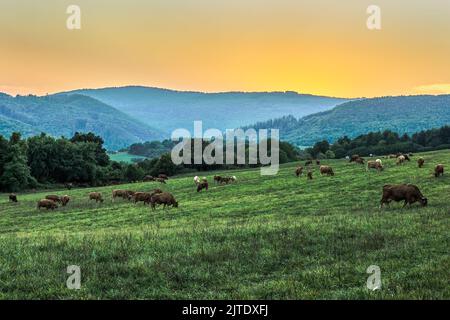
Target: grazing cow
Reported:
[(392, 156), (318, 162), (149, 178), (46, 203), (163, 176), (402, 192), (217, 179), (326, 170), (307, 163), (420, 162), (310, 175), (54, 198), (164, 198), (374, 165), (65, 200), (12, 197), (124, 194), (439, 170), (359, 161), (400, 159), (202, 185), (227, 180), (161, 180), (97, 196), (299, 171), (354, 157), (379, 162), (142, 196)]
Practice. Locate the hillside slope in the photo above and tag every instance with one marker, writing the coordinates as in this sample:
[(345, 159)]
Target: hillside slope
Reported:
[(403, 114), (65, 115), (168, 110), (263, 237)]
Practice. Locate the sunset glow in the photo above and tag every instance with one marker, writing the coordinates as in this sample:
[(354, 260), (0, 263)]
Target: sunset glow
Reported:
[(315, 47)]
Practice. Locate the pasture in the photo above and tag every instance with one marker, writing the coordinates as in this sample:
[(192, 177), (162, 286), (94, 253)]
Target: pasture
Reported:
[(124, 157), (263, 237)]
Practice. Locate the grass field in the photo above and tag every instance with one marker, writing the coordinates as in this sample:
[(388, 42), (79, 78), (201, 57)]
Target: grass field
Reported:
[(124, 157), (264, 237)]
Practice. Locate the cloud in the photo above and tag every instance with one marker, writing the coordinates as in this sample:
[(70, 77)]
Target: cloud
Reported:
[(437, 88)]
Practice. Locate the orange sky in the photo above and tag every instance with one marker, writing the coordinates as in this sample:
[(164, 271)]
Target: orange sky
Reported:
[(309, 46)]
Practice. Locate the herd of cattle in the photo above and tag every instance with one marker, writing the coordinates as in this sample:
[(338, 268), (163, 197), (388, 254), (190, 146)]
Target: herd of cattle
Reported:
[(404, 192), (152, 198), (408, 193)]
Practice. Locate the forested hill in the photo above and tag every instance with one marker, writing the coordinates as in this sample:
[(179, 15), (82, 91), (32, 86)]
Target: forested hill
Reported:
[(167, 110), (402, 114), (66, 114)]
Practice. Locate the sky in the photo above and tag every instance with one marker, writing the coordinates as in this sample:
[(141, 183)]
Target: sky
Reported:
[(320, 47)]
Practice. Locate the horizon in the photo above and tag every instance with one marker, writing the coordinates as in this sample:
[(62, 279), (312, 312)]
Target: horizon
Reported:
[(201, 46), (212, 92)]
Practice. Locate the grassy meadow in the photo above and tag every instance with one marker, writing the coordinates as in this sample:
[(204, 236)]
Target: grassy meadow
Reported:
[(263, 237), (124, 157)]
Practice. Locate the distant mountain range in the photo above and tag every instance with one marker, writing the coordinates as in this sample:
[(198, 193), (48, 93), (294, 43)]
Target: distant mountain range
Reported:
[(403, 114), (66, 114), (167, 110), (127, 115)]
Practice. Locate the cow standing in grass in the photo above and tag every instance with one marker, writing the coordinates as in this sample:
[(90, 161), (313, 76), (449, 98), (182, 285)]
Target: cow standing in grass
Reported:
[(65, 200), (439, 170), (402, 192), (299, 171), (13, 197), (97, 196), (326, 170), (46, 203), (124, 194), (165, 199), (420, 162), (374, 165)]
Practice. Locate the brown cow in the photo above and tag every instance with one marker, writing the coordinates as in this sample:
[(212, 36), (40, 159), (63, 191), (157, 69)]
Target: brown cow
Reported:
[(374, 165), (202, 185), (12, 197), (402, 192), (97, 196), (310, 175), (163, 176), (299, 171), (326, 170), (307, 163), (143, 196), (54, 198), (400, 159), (65, 200), (46, 203), (318, 162), (439, 170), (359, 160), (420, 162), (164, 198), (354, 157), (124, 194), (217, 179)]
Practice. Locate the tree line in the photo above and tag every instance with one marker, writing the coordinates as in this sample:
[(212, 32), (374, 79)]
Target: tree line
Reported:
[(44, 161), (380, 143)]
